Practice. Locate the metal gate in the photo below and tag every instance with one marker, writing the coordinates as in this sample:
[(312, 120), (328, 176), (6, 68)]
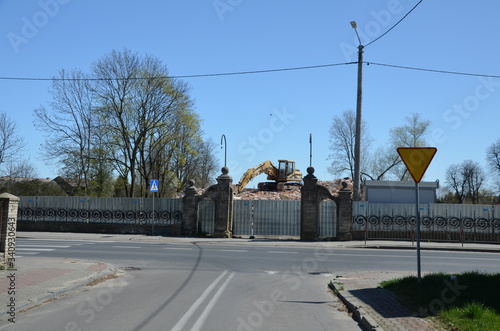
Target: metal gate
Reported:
[(278, 218), (206, 216)]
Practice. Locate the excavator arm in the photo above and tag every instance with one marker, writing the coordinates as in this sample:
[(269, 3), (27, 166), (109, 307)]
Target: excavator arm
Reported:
[(265, 167)]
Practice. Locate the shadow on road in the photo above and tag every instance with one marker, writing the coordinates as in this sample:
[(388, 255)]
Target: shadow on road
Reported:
[(179, 290)]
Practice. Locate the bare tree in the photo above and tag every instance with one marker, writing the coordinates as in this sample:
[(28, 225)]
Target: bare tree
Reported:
[(380, 165), (10, 143), (465, 180), (342, 141), (493, 161), (456, 182), (206, 164), (20, 169), (69, 124), (474, 174)]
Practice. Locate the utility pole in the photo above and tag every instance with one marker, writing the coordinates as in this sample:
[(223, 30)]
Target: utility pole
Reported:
[(357, 142)]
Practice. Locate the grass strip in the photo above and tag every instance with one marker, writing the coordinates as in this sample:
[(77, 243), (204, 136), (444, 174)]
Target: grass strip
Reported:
[(466, 301)]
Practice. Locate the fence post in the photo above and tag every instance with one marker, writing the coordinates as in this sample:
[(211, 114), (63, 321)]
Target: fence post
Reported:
[(8, 227)]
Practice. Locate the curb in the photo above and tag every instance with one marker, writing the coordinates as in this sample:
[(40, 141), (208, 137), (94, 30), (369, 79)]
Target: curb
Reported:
[(451, 249), (54, 295), (354, 307)]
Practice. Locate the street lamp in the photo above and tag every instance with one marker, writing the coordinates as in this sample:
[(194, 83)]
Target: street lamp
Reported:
[(357, 142), (310, 149)]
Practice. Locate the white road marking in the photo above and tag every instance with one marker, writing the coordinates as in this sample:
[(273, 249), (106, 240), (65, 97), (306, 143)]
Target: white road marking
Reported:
[(35, 249), (76, 240), (282, 252), (179, 248), (234, 250), (43, 246), (183, 321), (208, 308), (127, 247)]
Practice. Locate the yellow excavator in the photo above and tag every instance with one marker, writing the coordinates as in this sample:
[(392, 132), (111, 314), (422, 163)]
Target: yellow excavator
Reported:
[(282, 176)]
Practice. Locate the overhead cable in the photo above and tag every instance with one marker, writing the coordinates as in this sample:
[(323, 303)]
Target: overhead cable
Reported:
[(181, 76), (383, 34)]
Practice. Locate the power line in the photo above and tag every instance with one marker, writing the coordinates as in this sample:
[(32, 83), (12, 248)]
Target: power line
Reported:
[(256, 72), (433, 70), (181, 76), (383, 34)]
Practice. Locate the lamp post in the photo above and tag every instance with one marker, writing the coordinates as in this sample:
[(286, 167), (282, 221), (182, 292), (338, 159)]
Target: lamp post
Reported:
[(225, 147), (310, 149), (357, 142)]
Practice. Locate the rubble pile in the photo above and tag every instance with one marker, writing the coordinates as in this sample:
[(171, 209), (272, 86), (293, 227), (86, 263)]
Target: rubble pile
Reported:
[(292, 194), (335, 186), (255, 194)]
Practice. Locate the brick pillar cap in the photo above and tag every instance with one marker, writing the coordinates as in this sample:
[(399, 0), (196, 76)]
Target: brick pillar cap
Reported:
[(8, 196)]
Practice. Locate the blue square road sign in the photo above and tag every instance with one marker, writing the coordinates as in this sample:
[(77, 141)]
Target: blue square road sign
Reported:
[(153, 185)]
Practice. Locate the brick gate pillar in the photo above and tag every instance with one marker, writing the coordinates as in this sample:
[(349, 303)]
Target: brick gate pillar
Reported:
[(344, 214), (190, 210), (311, 196), (8, 227), (224, 205)]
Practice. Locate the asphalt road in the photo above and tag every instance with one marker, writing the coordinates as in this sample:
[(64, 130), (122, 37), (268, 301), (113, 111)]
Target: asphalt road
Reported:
[(211, 286)]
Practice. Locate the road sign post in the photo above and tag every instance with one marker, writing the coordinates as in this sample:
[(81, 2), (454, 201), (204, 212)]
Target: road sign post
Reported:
[(417, 159), (153, 188)]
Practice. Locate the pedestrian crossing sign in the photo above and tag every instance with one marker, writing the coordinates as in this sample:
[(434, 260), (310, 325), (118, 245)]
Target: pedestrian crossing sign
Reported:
[(153, 185)]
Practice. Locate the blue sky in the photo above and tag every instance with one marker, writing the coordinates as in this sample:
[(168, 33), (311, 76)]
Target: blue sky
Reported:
[(269, 116)]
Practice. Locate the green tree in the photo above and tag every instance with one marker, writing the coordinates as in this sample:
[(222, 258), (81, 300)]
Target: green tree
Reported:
[(411, 134), (385, 162), (125, 118), (137, 101)]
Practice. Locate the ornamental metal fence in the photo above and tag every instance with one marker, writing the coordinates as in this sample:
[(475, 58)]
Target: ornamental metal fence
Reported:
[(438, 222), (141, 211)]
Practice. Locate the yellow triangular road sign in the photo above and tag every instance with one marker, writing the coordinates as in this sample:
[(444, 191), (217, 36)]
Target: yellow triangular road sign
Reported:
[(417, 159)]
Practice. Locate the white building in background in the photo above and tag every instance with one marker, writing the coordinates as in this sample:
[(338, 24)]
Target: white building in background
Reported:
[(400, 192)]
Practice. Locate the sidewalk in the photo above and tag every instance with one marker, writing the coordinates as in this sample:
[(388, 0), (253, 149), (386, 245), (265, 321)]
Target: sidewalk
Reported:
[(36, 280), (377, 308), (40, 279)]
